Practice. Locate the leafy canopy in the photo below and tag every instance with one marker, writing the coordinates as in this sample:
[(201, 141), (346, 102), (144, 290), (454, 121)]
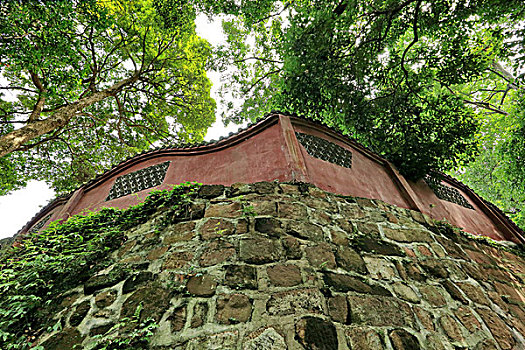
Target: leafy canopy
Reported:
[(88, 83)]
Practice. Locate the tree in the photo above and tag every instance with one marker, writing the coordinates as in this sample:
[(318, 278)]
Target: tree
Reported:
[(88, 83), (389, 73)]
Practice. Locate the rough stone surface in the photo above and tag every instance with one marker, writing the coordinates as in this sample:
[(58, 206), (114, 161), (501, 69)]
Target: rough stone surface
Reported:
[(288, 266)]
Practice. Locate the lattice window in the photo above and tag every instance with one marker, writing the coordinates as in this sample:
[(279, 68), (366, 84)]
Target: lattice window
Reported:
[(449, 194), (138, 180), (323, 149), (40, 224)]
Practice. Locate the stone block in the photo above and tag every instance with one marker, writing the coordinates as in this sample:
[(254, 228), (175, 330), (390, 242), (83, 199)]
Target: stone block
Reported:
[(380, 268), (321, 256), (305, 230), (451, 328), (467, 318), (425, 318), (201, 285), (380, 311), (473, 292), (284, 275), (498, 328), (407, 235), (66, 339), (295, 211), (270, 226), (259, 250), (405, 292), (434, 267), (433, 295), (217, 252), (402, 340), (292, 247), (240, 276), (233, 308), (137, 280), (109, 279), (261, 208), (180, 232), (267, 339), (156, 253), (178, 318), (346, 283), (215, 228), (376, 246), (153, 299), (177, 260), (105, 299), (338, 308), (316, 333), (295, 302), (211, 191), (80, 313), (348, 259), (224, 210), (454, 292), (364, 339)]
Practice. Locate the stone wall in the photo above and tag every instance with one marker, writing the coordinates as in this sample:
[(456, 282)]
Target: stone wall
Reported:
[(288, 266)]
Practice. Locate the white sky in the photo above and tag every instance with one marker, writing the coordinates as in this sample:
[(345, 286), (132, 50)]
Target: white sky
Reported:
[(17, 208)]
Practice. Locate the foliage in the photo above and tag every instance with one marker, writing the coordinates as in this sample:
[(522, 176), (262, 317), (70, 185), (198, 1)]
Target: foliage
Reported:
[(391, 74), (85, 84), (137, 338), (45, 264)]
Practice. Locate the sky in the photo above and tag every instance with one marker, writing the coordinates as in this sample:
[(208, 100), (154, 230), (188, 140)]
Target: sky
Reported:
[(17, 208)]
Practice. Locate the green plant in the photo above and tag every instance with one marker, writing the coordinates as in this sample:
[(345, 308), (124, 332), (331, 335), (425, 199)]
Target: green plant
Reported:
[(35, 273), (129, 333)]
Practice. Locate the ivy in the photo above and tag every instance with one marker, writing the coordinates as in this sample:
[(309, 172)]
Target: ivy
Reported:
[(43, 265)]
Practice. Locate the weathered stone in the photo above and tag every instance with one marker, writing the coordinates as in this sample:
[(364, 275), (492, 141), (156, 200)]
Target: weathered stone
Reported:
[(224, 210), (451, 328), (316, 333), (433, 294), (380, 311), (498, 328), (259, 250), (473, 292), (180, 232), (200, 312), (434, 267), (454, 292), (154, 300), (410, 271), (348, 259), (284, 275), (510, 292), (136, 280), (405, 292), (338, 308), (233, 308), (294, 211), (201, 285), (267, 339), (452, 249), (270, 226), (339, 238), (97, 282), (404, 235), (242, 226), (296, 302), (241, 276), (423, 250), (216, 253), (177, 260), (380, 268), (80, 313), (292, 247), (156, 253), (321, 256), (264, 187), (214, 228), (289, 189), (487, 344), (402, 340), (346, 283), (192, 211), (368, 229), (352, 211), (178, 319), (218, 341), (105, 299), (425, 318), (372, 245), (467, 318), (364, 339), (66, 339), (261, 208), (305, 230), (211, 191), (238, 189)]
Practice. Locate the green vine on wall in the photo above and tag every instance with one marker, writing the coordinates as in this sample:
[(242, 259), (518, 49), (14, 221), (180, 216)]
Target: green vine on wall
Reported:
[(43, 265)]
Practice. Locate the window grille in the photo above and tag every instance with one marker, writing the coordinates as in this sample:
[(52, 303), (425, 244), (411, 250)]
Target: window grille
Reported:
[(447, 193), (325, 150), (138, 180)]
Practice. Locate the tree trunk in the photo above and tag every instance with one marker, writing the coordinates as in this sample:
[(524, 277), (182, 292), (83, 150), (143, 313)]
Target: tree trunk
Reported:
[(15, 139)]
